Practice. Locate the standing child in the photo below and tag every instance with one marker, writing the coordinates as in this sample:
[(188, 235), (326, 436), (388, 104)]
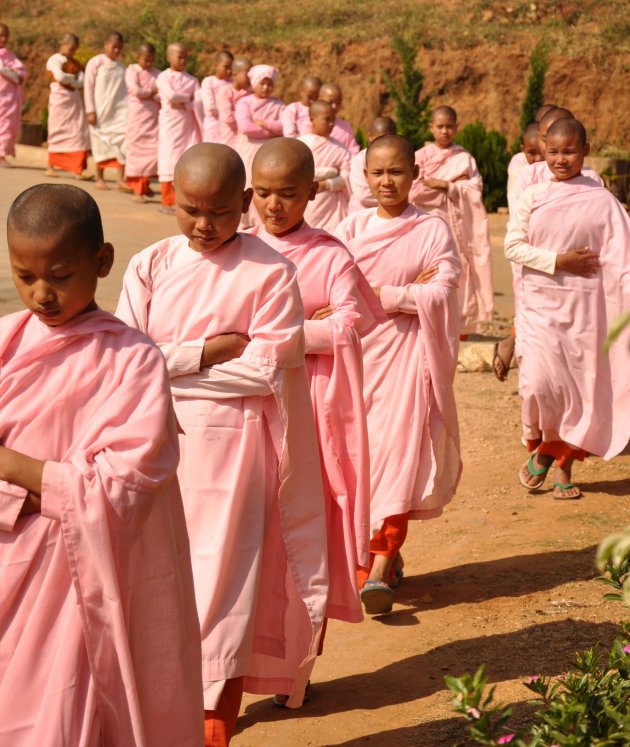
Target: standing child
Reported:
[(226, 311), (141, 144), (210, 87), (360, 196), (106, 107), (332, 169), (12, 76), (408, 362), (68, 136), (573, 239), (179, 122), (339, 307), (296, 118), (100, 642), (449, 185), (227, 98), (342, 131)]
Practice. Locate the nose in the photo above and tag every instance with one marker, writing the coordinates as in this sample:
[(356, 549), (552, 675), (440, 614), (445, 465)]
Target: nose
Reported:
[(43, 293), (274, 203), (203, 224)]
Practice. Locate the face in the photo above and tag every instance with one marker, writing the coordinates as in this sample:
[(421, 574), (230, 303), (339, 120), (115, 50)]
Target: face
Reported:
[(444, 129), (333, 98), (323, 123), (56, 277), (565, 156), (280, 197), (390, 176), (68, 49), (113, 48), (208, 214), (146, 60), (264, 88), (530, 149), (223, 68), (4, 36), (241, 79), (309, 93), (178, 58)]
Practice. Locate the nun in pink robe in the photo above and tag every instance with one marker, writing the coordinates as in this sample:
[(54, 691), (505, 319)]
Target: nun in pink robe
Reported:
[(209, 93), (12, 76), (105, 94), (100, 642), (572, 391), (409, 362), (250, 472), (227, 98), (343, 132), (461, 206), (360, 195), (141, 143)]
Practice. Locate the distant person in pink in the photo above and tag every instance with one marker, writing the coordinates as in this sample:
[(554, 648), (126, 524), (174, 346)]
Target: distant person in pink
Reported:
[(143, 109), (100, 642), (210, 87), (225, 309), (227, 97), (12, 76), (342, 131), (360, 194), (409, 361), (572, 238), (450, 185), (296, 119), (68, 136)]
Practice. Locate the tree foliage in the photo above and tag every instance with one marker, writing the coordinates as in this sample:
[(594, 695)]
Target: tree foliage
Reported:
[(489, 149), (534, 95)]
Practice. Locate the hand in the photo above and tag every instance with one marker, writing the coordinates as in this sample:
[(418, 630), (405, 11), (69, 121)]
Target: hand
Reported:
[(426, 275), (180, 105), (223, 348), (377, 293), (323, 313), (322, 186), (260, 123), (578, 262), (436, 183), (91, 118), (32, 505)]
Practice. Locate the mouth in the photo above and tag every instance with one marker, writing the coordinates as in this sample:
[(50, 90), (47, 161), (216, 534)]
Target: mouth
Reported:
[(47, 313)]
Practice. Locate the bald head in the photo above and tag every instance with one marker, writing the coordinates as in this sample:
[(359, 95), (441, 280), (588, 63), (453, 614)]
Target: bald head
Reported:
[(146, 48), (530, 132), (320, 107), (70, 39), (380, 126), (311, 81), (446, 111), (211, 163), (542, 111), (288, 155), (397, 142), (224, 54), (329, 89), (115, 36), (175, 48), (553, 115), (567, 128), (241, 65)]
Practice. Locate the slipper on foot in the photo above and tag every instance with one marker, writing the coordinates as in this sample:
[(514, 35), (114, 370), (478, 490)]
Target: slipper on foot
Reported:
[(563, 490), (501, 370), (377, 597), (167, 209), (542, 472)]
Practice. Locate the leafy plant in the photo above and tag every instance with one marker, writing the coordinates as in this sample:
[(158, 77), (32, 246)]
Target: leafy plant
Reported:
[(489, 149), (538, 65), (361, 137)]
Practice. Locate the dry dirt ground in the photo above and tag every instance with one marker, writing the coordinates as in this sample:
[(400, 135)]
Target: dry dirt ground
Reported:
[(504, 577)]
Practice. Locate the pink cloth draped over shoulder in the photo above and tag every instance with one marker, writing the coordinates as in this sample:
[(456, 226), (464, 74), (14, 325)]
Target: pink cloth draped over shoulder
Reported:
[(227, 98), (180, 119), (100, 643), (67, 124), (296, 119), (11, 97), (409, 362), (360, 195), (250, 472), (209, 93), (141, 144), (343, 132), (332, 166), (572, 391), (461, 206)]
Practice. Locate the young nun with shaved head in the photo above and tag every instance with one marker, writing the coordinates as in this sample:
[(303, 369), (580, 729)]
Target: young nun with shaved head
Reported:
[(12, 76), (68, 136), (450, 185), (409, 361), (296, 118), (342, 130), (225, 309), (227, 97), (572, 238), (105, 98), (360, 194), (339, 308), (180, 119), (209, 92), (100, 642)]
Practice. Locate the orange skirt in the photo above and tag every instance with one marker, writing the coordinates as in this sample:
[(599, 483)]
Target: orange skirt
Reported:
[(75, 161)]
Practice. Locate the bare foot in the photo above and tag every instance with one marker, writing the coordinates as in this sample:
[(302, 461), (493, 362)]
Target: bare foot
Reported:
[(503, 352), (51, 172), (100, 184), (138, 198), (538, 463), (122, 187), (563, 488)]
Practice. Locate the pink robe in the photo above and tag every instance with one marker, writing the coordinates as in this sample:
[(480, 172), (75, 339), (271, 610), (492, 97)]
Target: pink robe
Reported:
[(227, 97), (517, 162), (462, 208), (67, 124), (571, 390), (106, 95), (141, 144), (100, 644), (249, 471), (332, 165), (11, 96), (178, 129), (360, 195), (296, 119), (209, 92), (343, 132), (409, 362)]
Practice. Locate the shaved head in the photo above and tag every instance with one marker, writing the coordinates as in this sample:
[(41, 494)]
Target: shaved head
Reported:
[(329, 89), (241, 64), (53, 209), (311, 81), (320, 107), (542, 111), (174, 48), (70, 39), (567, 127), (530, 132), (381, 126), (393, 141), (115, 36), (224, 54), (211, 163), (444, 110), (553, 115), (286, 154), (146, 48)]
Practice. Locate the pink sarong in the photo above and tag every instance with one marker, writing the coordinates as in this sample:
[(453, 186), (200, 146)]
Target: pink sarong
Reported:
[(360, 195), (67, 125), (296, 119), (141, 143), (227, 97), (343, 132), (209, 93), (11, 96)]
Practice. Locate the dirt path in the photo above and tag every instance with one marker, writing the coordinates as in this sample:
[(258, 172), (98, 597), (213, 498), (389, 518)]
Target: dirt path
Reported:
[(505, 577)]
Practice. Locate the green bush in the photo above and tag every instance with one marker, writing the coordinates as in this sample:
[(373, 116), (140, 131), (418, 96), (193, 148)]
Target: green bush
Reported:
[(361, 137), (489, 149), (534, 95)]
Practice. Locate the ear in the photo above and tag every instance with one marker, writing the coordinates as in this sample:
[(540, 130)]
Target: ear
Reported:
[(104, 259), (522, 149), (587, 149), (416, 171), (313, 193), (247, 198)]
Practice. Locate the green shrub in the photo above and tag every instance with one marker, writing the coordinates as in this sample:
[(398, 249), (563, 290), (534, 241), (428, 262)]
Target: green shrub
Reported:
[(534, 95), (44, 121), (361, 137), (489, 149)]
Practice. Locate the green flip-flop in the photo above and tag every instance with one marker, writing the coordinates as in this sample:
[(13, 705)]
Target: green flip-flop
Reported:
[(534, 472), (564, 489)]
